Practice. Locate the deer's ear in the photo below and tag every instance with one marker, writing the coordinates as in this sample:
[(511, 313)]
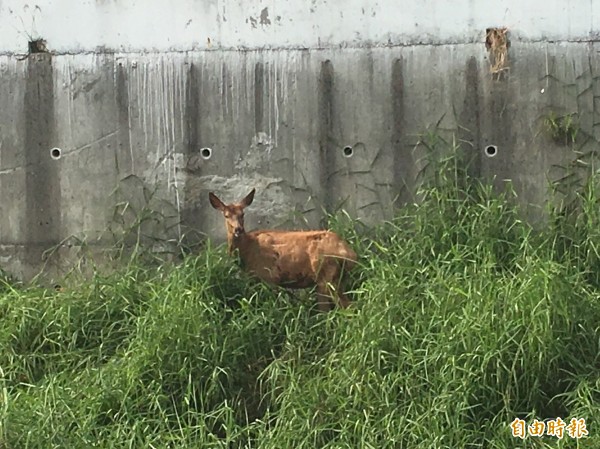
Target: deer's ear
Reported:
[(215, 202), (247, 201)]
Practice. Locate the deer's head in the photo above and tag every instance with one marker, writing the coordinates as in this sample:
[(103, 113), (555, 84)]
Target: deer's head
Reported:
[(233, 213)]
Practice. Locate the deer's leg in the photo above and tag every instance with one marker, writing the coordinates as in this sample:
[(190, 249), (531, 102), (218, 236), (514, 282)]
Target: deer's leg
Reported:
[(324, 272), (329, 283), (344, 301), (337, 286), (323, 297)]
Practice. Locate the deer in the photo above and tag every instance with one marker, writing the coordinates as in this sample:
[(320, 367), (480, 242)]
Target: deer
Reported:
[(289, 259)]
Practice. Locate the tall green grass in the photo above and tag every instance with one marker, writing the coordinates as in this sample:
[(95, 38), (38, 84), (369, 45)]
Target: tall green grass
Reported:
[(464, 318)]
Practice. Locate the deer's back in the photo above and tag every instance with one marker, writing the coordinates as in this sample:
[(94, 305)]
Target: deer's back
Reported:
[(291, 258)]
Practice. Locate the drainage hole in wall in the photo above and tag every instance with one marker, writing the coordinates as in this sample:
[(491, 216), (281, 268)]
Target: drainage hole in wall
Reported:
[(348, 151), (55, 153), (491, 150), (206, 153)]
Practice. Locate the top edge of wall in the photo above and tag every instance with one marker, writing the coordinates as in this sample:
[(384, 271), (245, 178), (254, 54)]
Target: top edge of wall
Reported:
[(81, 26)]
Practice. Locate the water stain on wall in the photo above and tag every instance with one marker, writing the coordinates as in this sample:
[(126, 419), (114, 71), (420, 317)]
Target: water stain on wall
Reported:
[(42, 182), (326, 137)]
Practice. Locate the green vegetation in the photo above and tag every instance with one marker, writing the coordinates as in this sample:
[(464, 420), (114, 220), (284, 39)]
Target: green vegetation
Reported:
[(563, 129), (464, 319)]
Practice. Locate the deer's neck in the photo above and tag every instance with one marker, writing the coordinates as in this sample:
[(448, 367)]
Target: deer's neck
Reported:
[(240, 243)]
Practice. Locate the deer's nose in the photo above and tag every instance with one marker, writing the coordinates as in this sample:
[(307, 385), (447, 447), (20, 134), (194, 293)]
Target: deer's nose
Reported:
[(238, 230)]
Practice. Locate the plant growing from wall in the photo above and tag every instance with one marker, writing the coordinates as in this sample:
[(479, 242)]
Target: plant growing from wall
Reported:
[(562, 128)]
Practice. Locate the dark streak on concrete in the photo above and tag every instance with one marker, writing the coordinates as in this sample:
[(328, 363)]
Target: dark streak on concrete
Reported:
[(192, 95), (123, 162), (469, 119), (227, 94), (259, 85), (326, 129), (500, 133), (192, 215), (371, 71), (401, 170), (42, 182)]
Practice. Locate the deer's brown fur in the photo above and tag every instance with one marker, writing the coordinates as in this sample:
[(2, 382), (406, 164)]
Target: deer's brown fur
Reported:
[(292, 259)]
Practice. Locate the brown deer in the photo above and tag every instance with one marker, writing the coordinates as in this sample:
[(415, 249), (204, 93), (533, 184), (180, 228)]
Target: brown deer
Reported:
[(292, 259)]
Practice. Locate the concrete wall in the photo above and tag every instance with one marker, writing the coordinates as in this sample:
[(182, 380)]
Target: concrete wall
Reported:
[(131, 92), (75, 26)]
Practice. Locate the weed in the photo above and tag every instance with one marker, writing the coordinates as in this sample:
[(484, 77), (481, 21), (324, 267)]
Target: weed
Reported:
[(563, 129)]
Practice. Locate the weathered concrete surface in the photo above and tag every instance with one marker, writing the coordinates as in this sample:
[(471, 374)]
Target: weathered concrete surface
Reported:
[(75, 26), (133, 127)]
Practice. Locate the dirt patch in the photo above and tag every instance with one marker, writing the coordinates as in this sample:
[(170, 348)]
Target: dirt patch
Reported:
[(37, 46)]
